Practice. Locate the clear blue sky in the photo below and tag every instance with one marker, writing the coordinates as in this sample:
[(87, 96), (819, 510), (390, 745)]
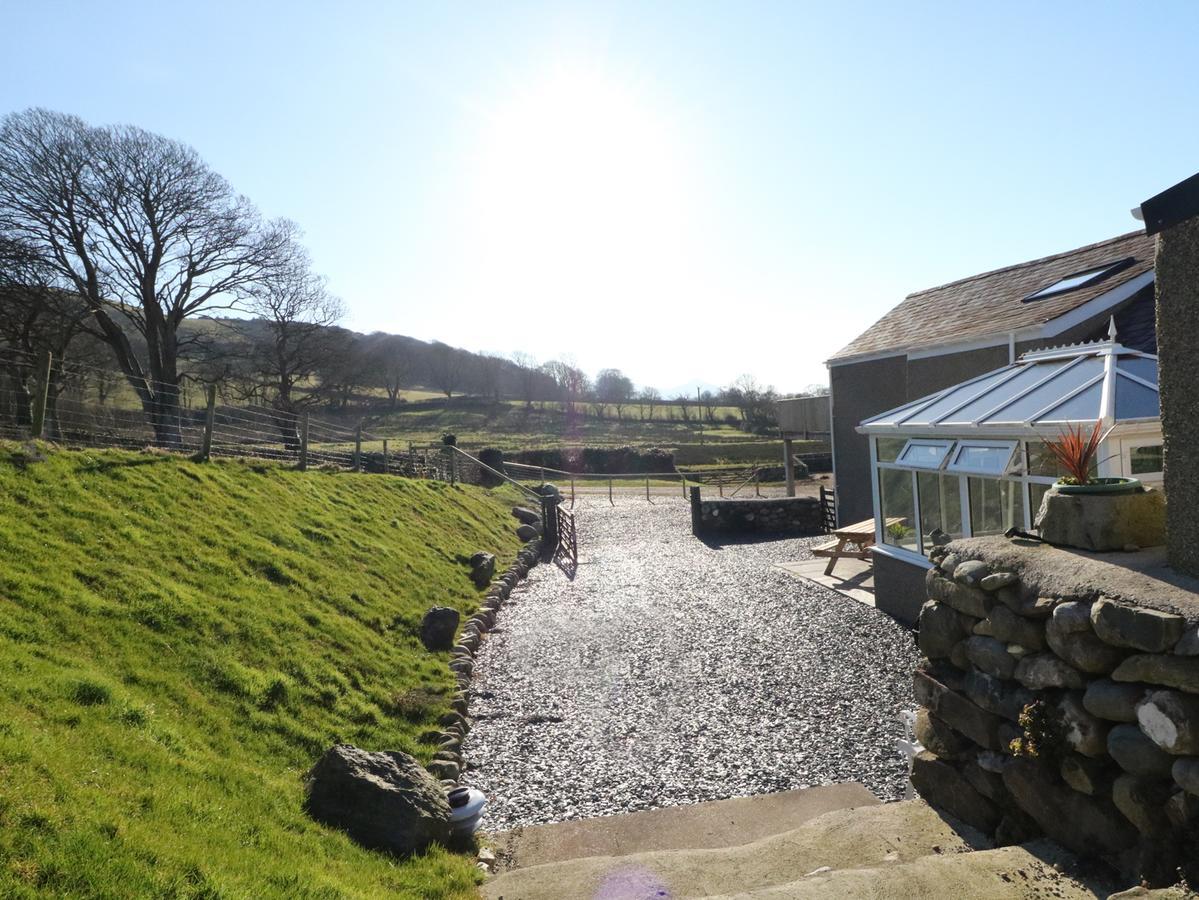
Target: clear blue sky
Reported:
[(682, 190)]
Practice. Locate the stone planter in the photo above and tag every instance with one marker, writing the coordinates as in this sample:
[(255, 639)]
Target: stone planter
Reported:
[(1128, 518), (1101, 486)]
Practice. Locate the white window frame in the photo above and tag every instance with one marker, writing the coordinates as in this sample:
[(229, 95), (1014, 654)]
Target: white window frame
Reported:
[(1130, 444), (946, 445), (955, 466)]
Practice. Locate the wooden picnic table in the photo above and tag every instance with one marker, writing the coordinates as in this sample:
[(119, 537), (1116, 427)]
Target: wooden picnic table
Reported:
[(852, 541)]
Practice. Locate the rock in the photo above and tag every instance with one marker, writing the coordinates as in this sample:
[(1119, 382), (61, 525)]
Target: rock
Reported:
[(1016, 652), (1084, 824), (1143, 802), (1171, 720), (1015, 629), (1086, 775), (969, 600), (527, 533), (1072, 617), (957, 656), (384, 800), (1180, 672), (1015, 828), (1103, 522), (994, 695), (950, 563), (983, 627), (943, 788), (526, 516), (997, 580), (1068, 633), (1137, 754), (956, 711), (482, 568), (940, 628), (991, 761), (971, 572), (1112, 700), (938, 738), (438, 627), (1045, 670), (1150, 630), (989, 784), (990, 656), (445, 769), (1186, 774), (1188, 644), (1083, 732), (1182, 809)]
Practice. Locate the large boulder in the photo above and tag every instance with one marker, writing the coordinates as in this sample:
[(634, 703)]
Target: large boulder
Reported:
[(1150, 630), (384, 800), (527, 533), (1180, 672), (941, 626), (1103, 522), (438, 627), (944, 788), (1068, 633), (526, 516)]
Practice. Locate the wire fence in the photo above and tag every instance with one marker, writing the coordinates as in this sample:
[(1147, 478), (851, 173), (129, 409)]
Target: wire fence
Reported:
[(79, 405)]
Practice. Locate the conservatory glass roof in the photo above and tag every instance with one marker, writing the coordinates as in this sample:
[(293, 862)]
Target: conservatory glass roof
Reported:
[(1046, 388)]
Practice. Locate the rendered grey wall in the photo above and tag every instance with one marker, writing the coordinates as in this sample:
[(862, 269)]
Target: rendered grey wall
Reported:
[(898, 588), (1178, 363), (860, 390)]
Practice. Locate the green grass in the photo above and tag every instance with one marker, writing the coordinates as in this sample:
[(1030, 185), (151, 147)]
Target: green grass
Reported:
[(180, 641)]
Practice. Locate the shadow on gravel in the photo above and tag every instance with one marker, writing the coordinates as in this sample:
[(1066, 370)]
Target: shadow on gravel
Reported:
[(720, 541)]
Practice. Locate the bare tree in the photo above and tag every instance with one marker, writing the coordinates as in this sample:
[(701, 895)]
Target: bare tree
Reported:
[(297, 311), (447, 368), (393, 364), (529, 377), (647, 400), (708, 401), (571, 381), (141, 229), (489, 372), (615, 388)]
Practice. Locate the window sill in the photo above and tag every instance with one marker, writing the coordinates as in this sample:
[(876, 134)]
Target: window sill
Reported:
[(896, 553)]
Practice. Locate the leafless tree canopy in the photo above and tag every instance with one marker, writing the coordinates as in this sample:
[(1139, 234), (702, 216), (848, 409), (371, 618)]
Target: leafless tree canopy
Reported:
[(141, 229)]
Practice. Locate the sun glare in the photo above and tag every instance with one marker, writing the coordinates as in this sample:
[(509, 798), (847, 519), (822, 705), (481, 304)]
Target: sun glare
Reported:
[(581, 188)]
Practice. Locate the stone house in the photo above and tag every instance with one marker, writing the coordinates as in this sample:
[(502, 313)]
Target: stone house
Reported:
[(1005, 340)]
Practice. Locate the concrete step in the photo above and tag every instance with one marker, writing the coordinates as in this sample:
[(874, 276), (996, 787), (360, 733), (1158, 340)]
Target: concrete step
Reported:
[(719, 823), (873, 837)]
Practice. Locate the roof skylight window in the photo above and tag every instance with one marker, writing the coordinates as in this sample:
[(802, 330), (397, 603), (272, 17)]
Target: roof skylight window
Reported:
[(1082, 279)]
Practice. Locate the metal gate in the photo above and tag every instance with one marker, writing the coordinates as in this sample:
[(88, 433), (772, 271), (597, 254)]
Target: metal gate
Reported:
[(566, 553)]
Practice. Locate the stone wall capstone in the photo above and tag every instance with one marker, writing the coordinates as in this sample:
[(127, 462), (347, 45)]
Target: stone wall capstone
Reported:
[(1061, 698)]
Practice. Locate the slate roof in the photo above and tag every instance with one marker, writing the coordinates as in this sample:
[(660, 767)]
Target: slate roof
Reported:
[(992, 303)]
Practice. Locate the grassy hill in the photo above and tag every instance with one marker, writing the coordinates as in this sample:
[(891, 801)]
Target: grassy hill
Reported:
[(180, 641)]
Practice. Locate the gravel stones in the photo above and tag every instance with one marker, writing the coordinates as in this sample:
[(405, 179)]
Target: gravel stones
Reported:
[(672, 670)]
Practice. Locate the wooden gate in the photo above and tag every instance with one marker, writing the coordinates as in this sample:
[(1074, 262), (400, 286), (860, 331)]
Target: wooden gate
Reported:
[(566, 553)]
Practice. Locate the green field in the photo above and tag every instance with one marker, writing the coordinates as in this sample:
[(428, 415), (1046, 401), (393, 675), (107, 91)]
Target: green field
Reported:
[(178, 644), (510, 426)]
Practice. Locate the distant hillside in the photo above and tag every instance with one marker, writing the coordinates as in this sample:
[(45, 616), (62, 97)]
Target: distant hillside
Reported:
[(178, 643)]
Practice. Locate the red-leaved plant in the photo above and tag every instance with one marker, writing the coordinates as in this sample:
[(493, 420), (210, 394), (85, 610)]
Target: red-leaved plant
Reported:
[(1075, 451)]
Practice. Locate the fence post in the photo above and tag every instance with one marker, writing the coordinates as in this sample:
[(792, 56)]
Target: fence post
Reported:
[(684, 480), (572, 492), (385, 467), (757, 484), (646, 487), (453, 468), (358, 448), (304, 442), (41, 398), (610, 500), (209, 422), (720, 483)]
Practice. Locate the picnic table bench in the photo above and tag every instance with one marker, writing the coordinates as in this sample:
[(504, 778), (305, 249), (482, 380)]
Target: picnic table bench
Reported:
[(851, 541)]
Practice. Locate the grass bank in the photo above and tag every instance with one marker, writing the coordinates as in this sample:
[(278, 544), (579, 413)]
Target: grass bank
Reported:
[(180, 641)]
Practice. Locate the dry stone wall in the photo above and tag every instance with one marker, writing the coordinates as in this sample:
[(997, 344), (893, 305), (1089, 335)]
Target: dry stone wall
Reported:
[(755, 515), (1073, 715)]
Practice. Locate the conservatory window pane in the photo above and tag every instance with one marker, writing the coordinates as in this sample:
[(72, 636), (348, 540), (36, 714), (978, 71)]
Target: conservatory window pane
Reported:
[(895, 485), (1146, 460), (989, 458), (1042, 462), (995, 506), (888, 448), (940, 508), (925, 454)]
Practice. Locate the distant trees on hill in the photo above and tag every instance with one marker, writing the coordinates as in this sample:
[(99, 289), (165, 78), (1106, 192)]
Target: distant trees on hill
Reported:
[(121, 250)]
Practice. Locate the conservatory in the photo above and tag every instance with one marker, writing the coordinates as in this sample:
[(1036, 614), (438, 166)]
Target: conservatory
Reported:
[(971, 460)]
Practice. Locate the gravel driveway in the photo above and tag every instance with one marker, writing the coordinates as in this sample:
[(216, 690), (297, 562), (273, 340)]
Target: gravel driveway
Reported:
[(672, 671)]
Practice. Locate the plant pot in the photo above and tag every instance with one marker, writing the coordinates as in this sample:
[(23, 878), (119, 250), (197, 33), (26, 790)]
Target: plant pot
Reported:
[(1101, 486)]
